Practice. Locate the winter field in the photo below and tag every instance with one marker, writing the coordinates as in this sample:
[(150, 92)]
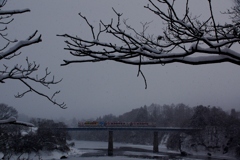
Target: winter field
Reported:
[(92, 150)]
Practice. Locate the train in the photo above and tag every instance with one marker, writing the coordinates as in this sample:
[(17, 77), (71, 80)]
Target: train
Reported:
[(115, 124)]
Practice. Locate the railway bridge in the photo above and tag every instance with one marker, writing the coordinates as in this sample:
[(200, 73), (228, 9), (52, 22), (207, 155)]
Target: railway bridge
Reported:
[(110, 130)]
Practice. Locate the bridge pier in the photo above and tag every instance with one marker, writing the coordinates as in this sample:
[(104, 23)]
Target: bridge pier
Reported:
[(110, 143), (155, 141)]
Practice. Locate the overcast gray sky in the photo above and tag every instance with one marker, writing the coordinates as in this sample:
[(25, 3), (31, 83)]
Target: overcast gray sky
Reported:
[(95, 89)]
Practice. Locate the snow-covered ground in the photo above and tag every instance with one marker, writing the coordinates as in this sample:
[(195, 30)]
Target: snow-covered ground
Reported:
[(91, 150), (85, 147), (98, 150)]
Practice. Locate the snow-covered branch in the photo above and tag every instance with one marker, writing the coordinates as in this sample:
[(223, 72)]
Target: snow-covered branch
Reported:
[(13, 120), (26, 75), (20, 44), (11, 12), (185, 39)]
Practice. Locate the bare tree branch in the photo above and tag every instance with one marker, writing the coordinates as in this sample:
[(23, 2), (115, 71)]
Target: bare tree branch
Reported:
[(8, 12), (29, 74), (185, 39), (19, 45)]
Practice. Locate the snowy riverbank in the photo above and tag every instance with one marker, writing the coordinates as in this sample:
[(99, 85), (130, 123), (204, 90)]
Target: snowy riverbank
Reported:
[(91, 150)]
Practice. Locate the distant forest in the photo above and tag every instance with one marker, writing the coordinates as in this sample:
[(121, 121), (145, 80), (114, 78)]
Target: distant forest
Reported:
[(220, 129)]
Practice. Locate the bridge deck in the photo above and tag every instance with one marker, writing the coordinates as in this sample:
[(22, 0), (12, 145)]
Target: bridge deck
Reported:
[(131, 129)]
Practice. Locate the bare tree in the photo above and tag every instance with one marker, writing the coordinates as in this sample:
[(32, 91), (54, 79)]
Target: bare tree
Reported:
[(235, 11), (184, 39), (8, 115), (11, 49)]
